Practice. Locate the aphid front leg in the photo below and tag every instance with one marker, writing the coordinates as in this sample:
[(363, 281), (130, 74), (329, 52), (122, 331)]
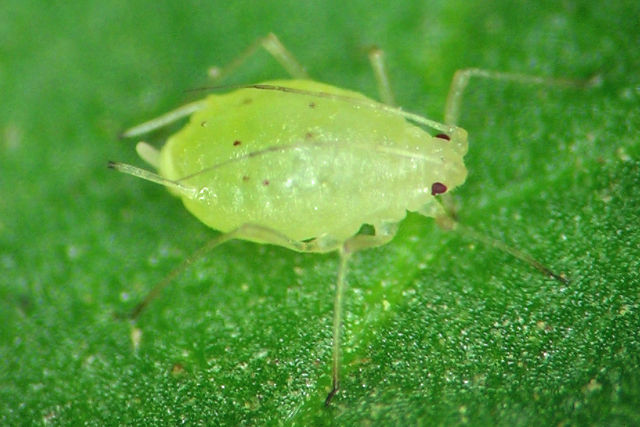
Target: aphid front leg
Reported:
[(376, 58), (355, 244), (445, 216), (271, 44), (461, 80)]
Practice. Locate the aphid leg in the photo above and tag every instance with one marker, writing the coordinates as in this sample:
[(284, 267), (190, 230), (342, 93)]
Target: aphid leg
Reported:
[(522, 256), (446, 218), (355, 244), (244, 232), (376, 58), (271, 44), (149, 154), (337, 326), (212, 244), (165, 119), (461, 80)]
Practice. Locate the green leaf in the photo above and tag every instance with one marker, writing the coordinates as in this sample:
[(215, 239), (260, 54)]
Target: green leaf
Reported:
[(439, 328)]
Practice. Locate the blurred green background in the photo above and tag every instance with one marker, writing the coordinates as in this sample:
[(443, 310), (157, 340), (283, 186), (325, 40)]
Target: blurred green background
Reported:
[(439, 329)]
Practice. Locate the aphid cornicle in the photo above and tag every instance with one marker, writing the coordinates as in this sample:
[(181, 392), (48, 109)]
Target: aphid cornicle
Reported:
[(305, 165)]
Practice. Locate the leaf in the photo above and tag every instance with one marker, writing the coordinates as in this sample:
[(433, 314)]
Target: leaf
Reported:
[(439, 329)]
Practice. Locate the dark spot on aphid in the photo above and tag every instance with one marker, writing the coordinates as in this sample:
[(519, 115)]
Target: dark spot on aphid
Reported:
[(247, 101), (203, 123), (245, 178), (265, 182), (308, 135), (237, 142), (438, 188), (312, 105), (443, 136)]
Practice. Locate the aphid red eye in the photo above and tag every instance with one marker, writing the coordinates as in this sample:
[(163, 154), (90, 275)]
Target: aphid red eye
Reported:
[(265, 182), (236, 143), (443, 136), (438, 188)]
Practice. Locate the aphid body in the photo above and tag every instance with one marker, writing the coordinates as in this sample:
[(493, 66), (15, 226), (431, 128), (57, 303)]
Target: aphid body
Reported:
[(306, 166)]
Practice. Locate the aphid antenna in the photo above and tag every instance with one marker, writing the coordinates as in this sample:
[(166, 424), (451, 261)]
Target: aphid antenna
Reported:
[(449, 129), (288, 147), (441, 127)]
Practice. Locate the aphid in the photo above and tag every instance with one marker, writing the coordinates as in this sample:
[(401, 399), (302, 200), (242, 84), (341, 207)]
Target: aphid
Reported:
[(305, 165)]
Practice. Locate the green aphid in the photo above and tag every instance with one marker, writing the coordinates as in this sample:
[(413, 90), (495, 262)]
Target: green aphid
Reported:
[(304, 165)]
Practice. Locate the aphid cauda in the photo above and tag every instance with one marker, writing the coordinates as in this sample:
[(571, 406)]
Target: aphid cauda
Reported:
[(305, 165)]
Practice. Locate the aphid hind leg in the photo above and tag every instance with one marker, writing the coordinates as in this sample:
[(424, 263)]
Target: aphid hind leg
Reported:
[(354, 244), (273, 46), (461, 80), (376, 58)]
